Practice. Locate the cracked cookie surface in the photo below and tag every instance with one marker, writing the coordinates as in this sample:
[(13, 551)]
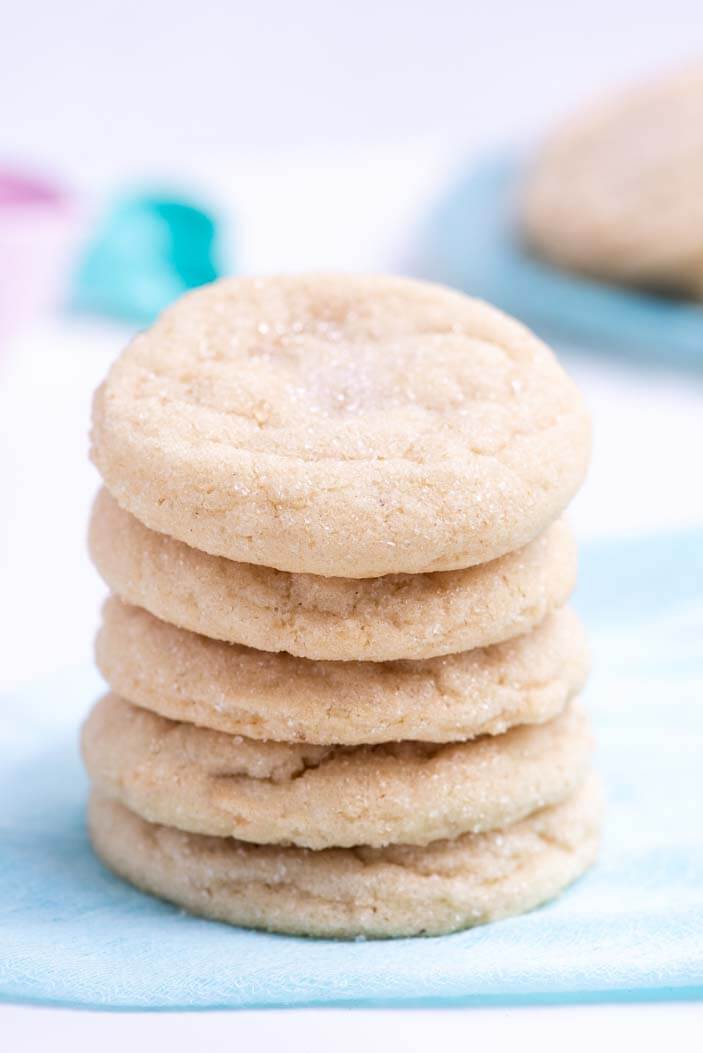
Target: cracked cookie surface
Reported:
[(261, 695), (368, 619), (396, 891), (319, 796), (344, 425)]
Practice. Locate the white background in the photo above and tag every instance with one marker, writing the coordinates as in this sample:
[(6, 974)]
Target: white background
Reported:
[(321, 132)]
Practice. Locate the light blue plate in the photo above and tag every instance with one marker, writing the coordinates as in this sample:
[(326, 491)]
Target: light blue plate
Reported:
[(72, 934), (471, 243)]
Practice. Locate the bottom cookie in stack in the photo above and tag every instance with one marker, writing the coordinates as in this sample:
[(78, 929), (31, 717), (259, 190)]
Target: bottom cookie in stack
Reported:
[(399, 890)]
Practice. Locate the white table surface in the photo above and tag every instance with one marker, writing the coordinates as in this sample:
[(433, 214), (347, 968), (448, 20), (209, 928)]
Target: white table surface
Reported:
[(576, 1029), (645, 477)]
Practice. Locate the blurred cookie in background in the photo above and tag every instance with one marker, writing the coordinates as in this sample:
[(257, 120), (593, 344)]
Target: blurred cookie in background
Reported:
[(615, 193)]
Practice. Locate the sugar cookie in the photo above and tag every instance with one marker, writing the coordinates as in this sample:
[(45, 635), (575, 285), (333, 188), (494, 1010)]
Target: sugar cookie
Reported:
[(616, 193), (369, 619), (274, 696), (320, 796), (348, 426), (394, 891)]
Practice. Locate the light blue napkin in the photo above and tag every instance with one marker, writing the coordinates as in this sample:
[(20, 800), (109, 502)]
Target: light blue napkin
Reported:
[(471, 242), (72, 934)]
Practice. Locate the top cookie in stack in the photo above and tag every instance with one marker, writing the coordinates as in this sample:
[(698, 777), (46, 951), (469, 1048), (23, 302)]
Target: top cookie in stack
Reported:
[(346, 427), (361, 478)]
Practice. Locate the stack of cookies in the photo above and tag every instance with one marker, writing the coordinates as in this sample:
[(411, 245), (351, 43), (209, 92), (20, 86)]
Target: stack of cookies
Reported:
[(342, 672)]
